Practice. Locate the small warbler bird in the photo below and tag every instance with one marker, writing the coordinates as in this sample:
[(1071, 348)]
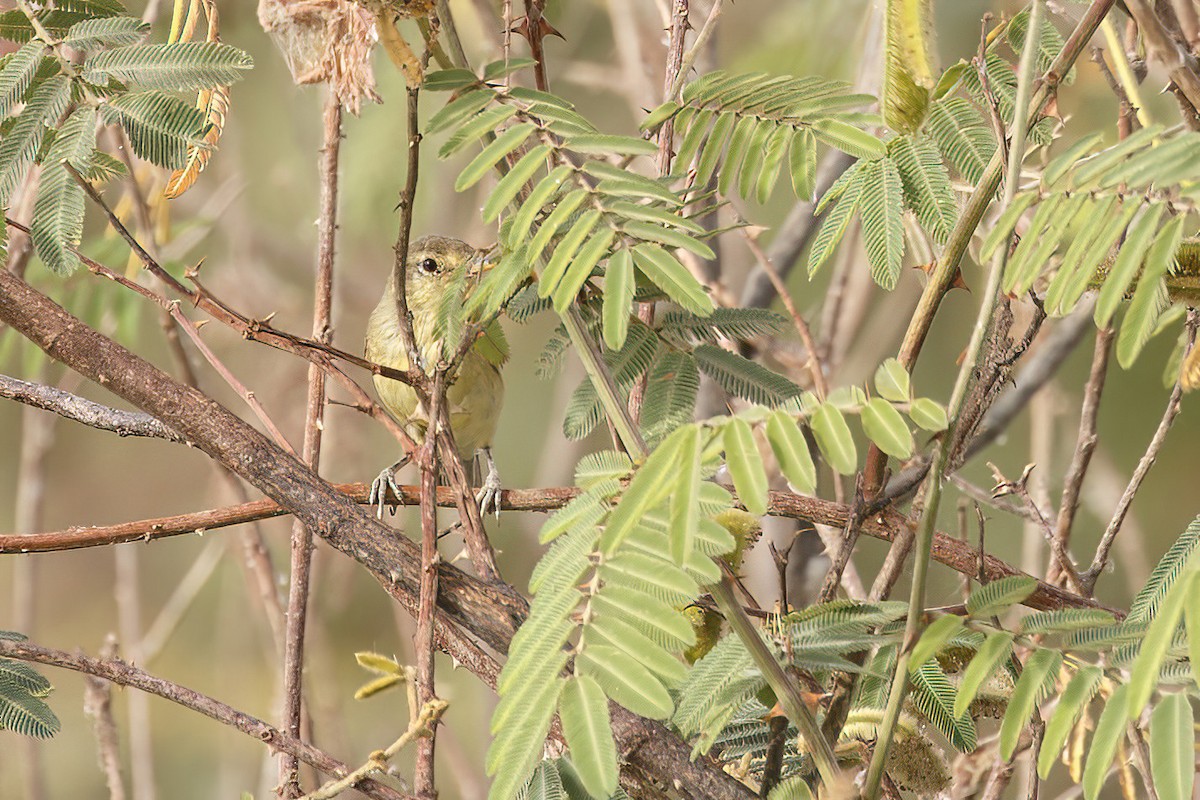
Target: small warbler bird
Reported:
[(439, 272)]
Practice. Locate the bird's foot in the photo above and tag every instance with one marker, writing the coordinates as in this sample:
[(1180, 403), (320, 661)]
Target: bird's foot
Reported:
[(379, 488), (488, 495)]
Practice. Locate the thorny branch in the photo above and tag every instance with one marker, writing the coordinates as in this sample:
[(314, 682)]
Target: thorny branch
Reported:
[(116, 671), (1100, 560), (884, 525), (314, 418)]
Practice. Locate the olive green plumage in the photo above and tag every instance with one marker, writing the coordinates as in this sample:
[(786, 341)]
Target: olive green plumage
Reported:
[(436, 266)]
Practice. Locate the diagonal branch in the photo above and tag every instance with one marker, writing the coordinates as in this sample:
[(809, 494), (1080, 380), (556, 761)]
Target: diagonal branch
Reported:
[(116, 671), (92, 414)]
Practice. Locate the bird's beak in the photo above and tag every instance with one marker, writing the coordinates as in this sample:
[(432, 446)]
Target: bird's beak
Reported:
[(482, 263)]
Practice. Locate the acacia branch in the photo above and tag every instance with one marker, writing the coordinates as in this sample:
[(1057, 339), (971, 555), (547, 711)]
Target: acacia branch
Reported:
[(116, 671), (314, 417), (79, 409), (1085, 443), (1100, 560), (884, 525)]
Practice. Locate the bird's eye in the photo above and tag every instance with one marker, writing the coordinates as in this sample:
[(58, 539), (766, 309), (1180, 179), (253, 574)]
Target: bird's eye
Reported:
[(428, 266)]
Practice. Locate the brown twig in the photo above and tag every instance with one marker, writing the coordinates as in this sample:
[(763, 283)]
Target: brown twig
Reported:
[(535, 30), (97, 704), (815, 367), (314, 416), (423, 773), (1100, 560), (884, 525), (1180, 65), (1058, 547), (189, 327), (141, 210), (676, 35), (1085, 443), (116, 671), (1127, 121)]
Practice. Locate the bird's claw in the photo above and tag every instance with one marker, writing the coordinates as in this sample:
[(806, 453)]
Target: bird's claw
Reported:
[(488, 496), (379, 488)]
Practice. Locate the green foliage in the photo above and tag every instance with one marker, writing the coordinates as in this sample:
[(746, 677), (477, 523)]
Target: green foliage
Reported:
[(56, 106), (742, 377), (179, 66), (1173, 748), (160, 126), (58, 209), (751, 119), (998, 596), (962, 135), (97, 33), (1112, 218), (577, 218), (936, 697)]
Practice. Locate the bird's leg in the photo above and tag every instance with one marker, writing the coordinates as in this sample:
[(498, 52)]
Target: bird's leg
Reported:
[(383, 481), (488, 495)]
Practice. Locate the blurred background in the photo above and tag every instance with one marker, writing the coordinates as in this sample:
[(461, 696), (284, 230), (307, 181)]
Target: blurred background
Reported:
[(251, 218)]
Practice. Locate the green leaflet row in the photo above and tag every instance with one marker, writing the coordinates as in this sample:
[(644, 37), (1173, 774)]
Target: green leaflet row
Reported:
[(48, 113)]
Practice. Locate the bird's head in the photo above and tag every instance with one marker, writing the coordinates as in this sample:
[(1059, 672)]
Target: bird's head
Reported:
[(437, 265)]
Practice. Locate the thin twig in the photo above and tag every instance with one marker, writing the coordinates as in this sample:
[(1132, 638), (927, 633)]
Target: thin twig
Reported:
[(314, 424), (676, 35), (97, 704), (980, 495), (123, 674), (535, 34), (193, 333), (689, 58), (419, 728), (1100, 560), (423, 646), (1058, 548), (1085, 442), (815, 367), (1126, 114)]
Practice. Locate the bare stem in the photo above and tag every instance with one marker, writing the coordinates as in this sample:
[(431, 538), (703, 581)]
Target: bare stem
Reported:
[(423, 645), (1085, 442), (314, 416), (1100, 560), (119, 672)]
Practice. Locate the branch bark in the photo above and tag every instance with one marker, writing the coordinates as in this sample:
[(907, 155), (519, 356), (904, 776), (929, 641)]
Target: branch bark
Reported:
[(118, 672)]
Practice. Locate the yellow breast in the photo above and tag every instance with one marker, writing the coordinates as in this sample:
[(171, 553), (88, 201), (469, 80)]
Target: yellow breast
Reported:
[(475, 397)]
